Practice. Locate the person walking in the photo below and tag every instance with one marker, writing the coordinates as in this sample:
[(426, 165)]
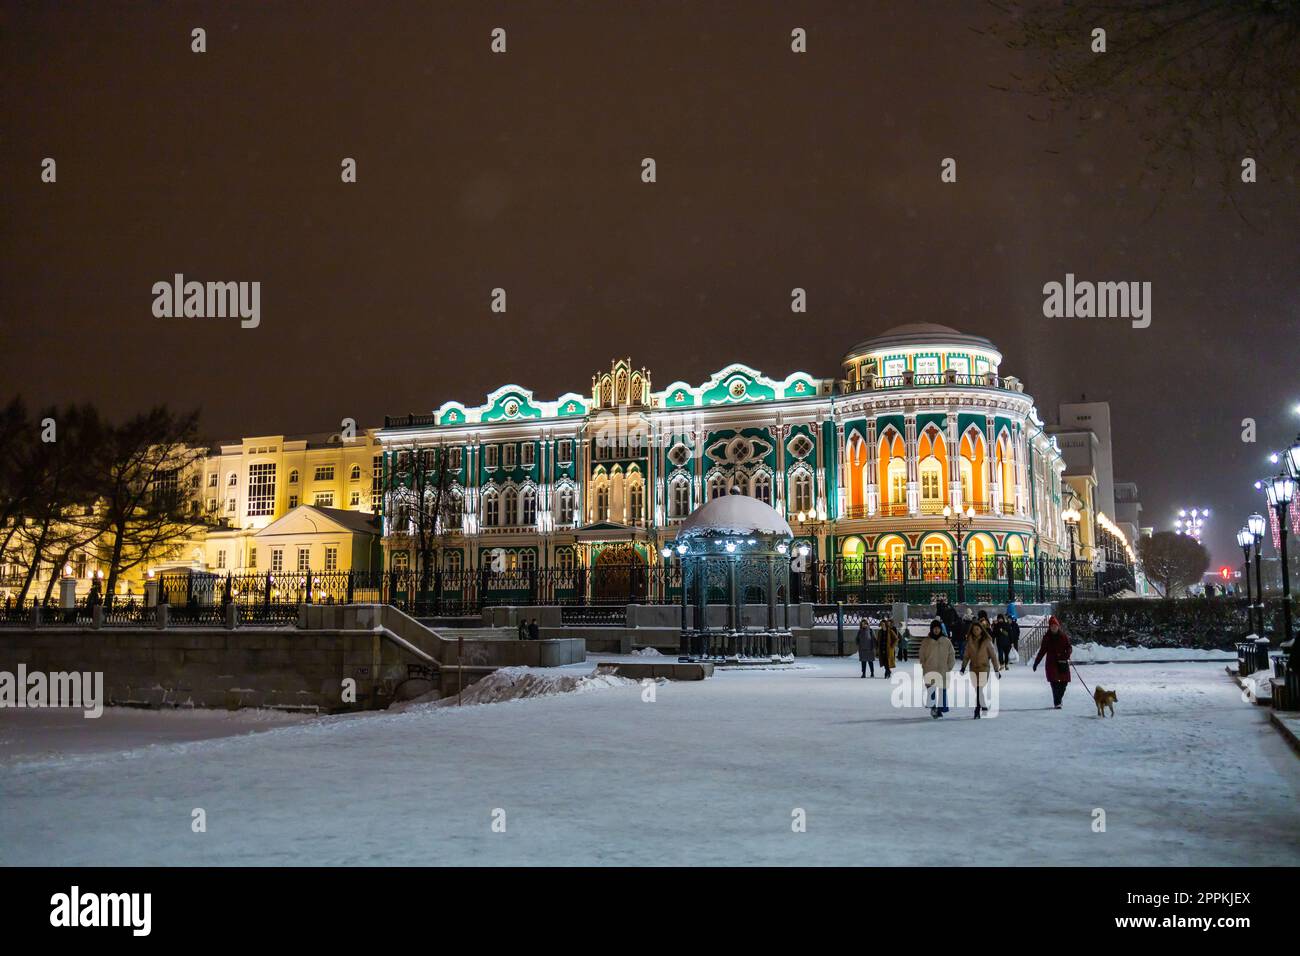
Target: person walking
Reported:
[(947, 616), (534, 632), (1013, 624), (937, 660), (1056, 648), (980, 656), (866, 647), (959, 631), (887, 645), (1002, 637), (523, 628)]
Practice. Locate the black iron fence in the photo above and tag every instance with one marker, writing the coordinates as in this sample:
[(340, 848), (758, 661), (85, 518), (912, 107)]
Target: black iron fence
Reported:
[(870, 580), (916, 579)]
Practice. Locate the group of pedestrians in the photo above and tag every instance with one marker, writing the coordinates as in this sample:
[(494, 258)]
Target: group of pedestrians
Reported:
[(528, 630), (881, 644), (983, 646)]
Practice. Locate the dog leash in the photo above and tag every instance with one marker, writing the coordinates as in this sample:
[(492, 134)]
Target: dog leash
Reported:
[(1086, 688)]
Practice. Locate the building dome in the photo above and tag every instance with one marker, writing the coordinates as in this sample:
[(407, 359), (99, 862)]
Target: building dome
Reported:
[(920, 334), (923, 348), (735, 515)]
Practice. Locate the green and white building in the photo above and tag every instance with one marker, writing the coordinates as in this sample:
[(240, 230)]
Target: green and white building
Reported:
[(862, 464)]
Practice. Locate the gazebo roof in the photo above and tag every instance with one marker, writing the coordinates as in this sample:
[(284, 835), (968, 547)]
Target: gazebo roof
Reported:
[(735, 515)]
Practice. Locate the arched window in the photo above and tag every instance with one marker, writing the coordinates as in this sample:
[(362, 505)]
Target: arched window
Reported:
[(761, 487), (566, 505), (936, 564), (717, 486), (527, 560), (564, 559), (355, 474), (852, 551), (635, 502), (891, 551), (893, 472), (931, 485), (452, 560), (979, 554), (491, 510), (602, 502), (680, 498), (801, 493), (972, 469), (509, 507), (530, 507), (293, 476), (897, 482)]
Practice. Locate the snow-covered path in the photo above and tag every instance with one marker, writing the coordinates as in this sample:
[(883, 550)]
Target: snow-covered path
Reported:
[(709, 773)]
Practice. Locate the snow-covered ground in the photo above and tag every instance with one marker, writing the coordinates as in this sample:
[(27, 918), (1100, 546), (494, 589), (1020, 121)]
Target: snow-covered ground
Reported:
[(710, 772)]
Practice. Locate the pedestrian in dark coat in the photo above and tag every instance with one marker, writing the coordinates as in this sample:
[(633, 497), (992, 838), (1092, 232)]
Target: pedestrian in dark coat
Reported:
[(1056, 648), (866, 647), (947, 616), (1002, 637), (887, 645), (534, 632), (523, 628)]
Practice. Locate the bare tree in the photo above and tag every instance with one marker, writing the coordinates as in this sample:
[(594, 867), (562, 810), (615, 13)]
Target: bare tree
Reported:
[(51, 520), (1200, 78), (145, 507), (424, 504), (1172, 561)]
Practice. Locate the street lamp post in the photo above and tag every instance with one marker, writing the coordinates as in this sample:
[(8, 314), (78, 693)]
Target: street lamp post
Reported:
[(961, 524), (1258, 524), (1279, 490), (1071, 517), (1246, 539)]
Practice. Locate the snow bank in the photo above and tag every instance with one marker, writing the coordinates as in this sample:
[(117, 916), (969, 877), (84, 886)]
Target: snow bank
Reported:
[(647, 652), (1101, 654), (519, 683)]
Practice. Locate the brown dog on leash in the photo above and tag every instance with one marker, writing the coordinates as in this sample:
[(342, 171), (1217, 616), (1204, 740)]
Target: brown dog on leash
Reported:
[(1104, 698)]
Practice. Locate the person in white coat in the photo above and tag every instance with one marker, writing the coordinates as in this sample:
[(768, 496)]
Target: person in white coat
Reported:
[(937, 661)]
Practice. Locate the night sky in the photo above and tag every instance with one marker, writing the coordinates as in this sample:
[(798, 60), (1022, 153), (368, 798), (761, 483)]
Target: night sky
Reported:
[(522, 171)]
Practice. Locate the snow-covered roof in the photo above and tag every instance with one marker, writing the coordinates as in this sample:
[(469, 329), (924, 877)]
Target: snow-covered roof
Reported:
[(735, 514)]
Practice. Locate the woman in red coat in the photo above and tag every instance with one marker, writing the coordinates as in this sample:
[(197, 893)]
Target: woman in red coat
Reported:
[(1056, 648)]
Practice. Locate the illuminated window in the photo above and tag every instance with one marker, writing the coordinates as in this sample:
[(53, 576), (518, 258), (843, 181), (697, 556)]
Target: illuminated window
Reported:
[(680, 500), (324, 499), (261, 490), (491, 510), (331, 558), (324, 473), (355, 473), (761, 488), (304, 559), (566, 506), (277, 559), (529, 507)]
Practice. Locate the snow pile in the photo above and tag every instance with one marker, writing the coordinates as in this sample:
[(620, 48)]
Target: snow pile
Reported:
[(520, 683), (1258, 686), (737, 515), (647, 652), (1103, 654)]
